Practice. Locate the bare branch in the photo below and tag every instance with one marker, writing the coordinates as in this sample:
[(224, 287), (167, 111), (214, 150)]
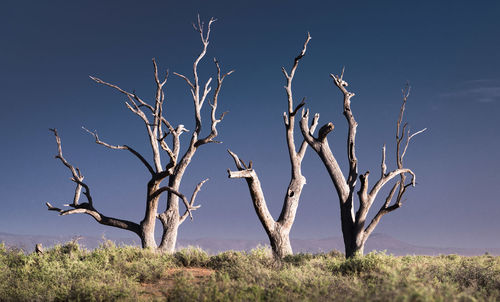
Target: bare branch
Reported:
[(100, 218), (322, 148), (401, 132), (289, 77), (324, 131), (303, 146), (204, 39), (391, 195), (240, 174), (198, 103), (363, 191), (351, 137), (86, 208), (306, 130), (383, 166), (289, 120), (167, 124), (193, 198), (364, 202), (166, 148), (121, 147), (179, 194), (156, 76), (382, 211), (399, 137), (213, 133), (76, 174), (302, 103), (157, 113), (383, 180), (135, 108), (128, 94), (52, 208), (256, 192), (206, 90), (409, 137), (185, 79), (236, 159), (60, 155), (173, 154)]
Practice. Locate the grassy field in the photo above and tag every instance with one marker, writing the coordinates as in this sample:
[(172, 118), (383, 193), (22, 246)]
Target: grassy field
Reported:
[(68, 272)]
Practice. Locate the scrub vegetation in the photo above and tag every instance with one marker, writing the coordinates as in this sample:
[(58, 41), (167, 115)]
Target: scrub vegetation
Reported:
[(69, 272)]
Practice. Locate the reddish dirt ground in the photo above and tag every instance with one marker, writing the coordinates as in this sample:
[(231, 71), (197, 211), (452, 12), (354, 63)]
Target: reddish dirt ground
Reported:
[(160, 288)]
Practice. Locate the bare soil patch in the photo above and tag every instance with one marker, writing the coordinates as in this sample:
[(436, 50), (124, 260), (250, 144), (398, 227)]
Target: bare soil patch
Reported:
[(161, 287)]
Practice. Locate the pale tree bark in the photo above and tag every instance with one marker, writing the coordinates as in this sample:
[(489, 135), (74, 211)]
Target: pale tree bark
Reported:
[(170, 218), (158, 130), (353, 222), (278, 231)]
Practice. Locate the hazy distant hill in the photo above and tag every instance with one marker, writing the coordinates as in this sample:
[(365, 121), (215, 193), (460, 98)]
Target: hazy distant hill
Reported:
[(377, 242), (27, 242)]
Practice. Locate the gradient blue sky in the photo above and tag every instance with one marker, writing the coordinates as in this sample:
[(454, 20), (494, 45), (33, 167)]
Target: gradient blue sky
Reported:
[(449, 51)]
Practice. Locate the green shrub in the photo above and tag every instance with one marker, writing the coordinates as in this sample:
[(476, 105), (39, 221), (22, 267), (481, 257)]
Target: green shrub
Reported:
[(109, 273), (298, 259), (191, 256)]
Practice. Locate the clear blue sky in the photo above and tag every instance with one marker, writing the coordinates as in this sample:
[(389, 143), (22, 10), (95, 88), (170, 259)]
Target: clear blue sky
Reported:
[(449, 51)]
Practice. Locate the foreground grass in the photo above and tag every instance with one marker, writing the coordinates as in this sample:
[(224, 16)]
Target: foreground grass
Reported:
[(127, 273)]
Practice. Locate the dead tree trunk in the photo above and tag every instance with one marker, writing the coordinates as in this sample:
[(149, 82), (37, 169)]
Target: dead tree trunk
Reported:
[(278, 231), (154, 121), (353, 222)]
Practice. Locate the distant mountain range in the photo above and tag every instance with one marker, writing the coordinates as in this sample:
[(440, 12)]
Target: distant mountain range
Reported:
[(378, 242)]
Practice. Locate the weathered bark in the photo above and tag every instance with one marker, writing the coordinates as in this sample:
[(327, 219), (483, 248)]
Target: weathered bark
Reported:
[(354, 248), (278, 231), (280, 242), (170, 222), (148, 223), (154, 121), (353, 223)]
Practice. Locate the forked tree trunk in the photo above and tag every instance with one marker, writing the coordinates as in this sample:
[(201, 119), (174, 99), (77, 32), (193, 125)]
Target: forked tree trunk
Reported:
[(280, 242), (279, 231)]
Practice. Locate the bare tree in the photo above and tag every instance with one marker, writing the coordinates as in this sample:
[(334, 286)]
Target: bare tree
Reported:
[(158, 129), (278, 231), (353, 222)]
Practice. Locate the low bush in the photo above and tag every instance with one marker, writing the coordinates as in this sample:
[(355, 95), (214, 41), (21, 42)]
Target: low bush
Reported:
[(191, 256), (68, 272)]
